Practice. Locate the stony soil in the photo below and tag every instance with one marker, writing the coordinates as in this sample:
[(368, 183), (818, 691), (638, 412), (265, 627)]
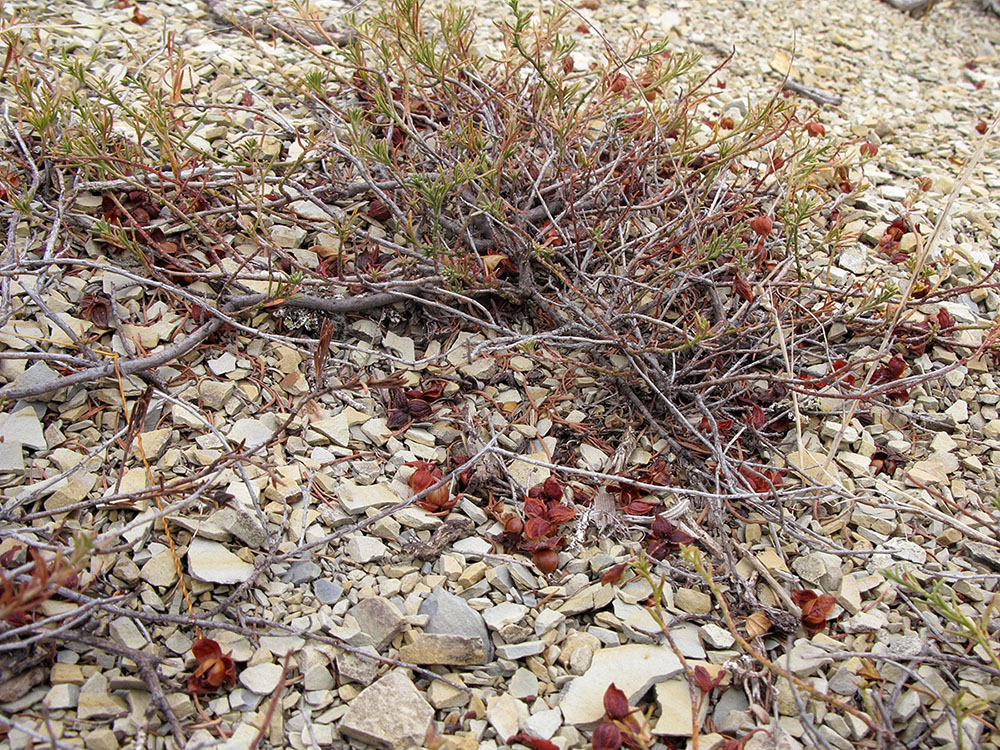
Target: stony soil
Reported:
[(341, 609)]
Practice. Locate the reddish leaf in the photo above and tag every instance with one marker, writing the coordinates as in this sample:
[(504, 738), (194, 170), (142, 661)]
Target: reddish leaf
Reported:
[(533, 507), (429, 392), (378, 210), (705, 682), (397, 419), (613, 574), (815, 608), (742, 288), (532, 742), (616, 703), (814, 129), (637, 508), (96, 308), (661, 527), (895, 366), (869, 149), (537, 527), (418, 408), (757, 418), (945, 320), (559, 513)]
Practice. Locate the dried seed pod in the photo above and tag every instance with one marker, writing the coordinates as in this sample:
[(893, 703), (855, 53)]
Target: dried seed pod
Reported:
[(546, 560)]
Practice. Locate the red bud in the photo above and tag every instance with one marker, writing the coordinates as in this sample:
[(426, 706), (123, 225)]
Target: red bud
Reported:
[(606, 737), (616, 703)]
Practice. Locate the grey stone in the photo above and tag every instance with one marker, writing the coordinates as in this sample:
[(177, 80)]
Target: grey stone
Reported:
[(95, 702), (451, 615), (390, 713), (125, 632), (303, 572), (514, 651), (364, 549), (327, 591), (62, 696), (379, 619), (242, 522), (731, 701), (806, 657)]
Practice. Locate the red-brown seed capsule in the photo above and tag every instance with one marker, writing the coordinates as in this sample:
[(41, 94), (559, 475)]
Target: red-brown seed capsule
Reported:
[(761, 225), (546, 560), (606, 737)]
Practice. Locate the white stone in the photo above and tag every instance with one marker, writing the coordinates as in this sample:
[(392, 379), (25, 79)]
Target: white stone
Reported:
[(506, 613), (505, 713), (363, 549), (934, 469), (632, 668), (262, 679), (357, 498), (543, 724), (523, 683), (253, 431), (389, 713), (213, 563), (548, 619)]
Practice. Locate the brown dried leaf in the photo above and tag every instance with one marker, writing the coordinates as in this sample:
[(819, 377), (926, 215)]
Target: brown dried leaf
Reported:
[(757, 624)]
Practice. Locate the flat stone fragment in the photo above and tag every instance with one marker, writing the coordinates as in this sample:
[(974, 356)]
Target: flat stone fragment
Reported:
[(213, 563), (354, 668), (242, 522), (94, 701), (544, 724), (253, 431), (692, 601), (364, 549), (632, 668), (328, 592), (523, 650), (934, 469), (125, 632), (450, 614), (503, 614), (390, 713), (379, 619), (523, 683), (262, 679), (674, 699), (440, 648), (61, 696), (23, 427), (806, 658), (357, 498), (442, 695), (505, 713)]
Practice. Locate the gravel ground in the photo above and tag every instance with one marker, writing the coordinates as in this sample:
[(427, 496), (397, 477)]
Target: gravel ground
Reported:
[(339, 612)]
